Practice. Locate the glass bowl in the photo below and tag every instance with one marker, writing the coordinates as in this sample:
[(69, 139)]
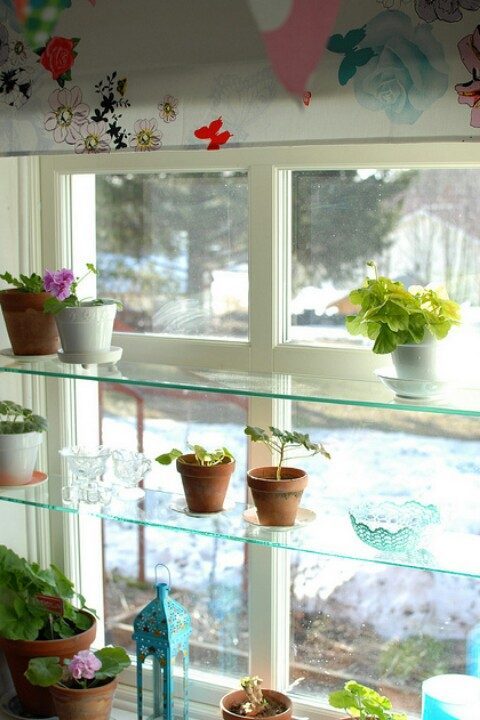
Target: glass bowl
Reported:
[(86, 463), (390, 526)]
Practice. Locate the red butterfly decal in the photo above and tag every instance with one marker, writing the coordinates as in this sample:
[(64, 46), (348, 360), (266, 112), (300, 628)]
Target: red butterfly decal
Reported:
[(211, 132)]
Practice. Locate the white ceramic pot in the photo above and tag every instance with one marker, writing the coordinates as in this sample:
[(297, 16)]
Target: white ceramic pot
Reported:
[(88, 328), (18, 455), (418, 361)]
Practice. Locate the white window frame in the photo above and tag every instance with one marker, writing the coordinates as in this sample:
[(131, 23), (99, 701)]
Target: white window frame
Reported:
[(266, 351)]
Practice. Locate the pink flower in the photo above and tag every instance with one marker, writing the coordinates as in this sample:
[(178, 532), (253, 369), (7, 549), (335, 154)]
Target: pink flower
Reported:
[(58, 283), (84, 665), (146, 135), (92, 138)]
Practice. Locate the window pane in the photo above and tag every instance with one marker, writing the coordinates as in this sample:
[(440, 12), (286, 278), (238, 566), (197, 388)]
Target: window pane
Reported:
[(387, 627), (207, 574), (419, 226), (173, 249)]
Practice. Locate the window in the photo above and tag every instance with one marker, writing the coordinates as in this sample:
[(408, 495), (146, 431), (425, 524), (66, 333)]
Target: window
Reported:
[(271, 210)]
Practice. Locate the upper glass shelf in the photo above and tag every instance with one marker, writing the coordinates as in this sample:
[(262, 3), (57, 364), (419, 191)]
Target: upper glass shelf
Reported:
[(328, 534), (457, 400)]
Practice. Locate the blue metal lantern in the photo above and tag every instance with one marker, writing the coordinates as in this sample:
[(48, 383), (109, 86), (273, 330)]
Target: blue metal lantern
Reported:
[(161, 631)]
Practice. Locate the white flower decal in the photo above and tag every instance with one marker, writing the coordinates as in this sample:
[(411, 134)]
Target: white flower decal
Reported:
[(168, 108), (68, 116), (92, 138), (146, 135)]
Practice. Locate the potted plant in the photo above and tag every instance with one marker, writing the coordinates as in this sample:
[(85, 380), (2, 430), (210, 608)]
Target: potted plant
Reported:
[(406, 323), (83, 687), (20, 438), (30, 331), (363, 703), (205, 476), (276, 489), (252, 701), (85, 326), (41, 615)]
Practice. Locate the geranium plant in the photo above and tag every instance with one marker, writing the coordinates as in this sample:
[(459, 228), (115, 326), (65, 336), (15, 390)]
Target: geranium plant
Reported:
[(62, 284), (363, 703), (285, 442), (391, 315), (15, 419), (87, 669), (25, 283), (202, 456)]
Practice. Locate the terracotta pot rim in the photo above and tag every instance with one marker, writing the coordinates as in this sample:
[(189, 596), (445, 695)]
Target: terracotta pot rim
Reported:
[(267, 691), (7, 642), (81, 691), (285, 473), (181, 461)]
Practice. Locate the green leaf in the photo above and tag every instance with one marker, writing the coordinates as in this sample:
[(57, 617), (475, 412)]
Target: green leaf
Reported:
[(44, 671), (386, 341), (114, 660), (169, 457), (52, 306)]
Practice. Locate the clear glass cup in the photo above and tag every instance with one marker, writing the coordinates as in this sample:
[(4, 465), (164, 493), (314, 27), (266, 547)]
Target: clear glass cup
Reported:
[(130, 468), (86, 464)]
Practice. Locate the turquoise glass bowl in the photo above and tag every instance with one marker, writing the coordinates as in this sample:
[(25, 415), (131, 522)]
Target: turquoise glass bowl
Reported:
[(390, 526)]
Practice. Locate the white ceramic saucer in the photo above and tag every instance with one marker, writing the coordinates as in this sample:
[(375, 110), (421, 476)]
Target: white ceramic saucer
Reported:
[(181, 507), (92, 358), (412, 389), (38, 478), (8, 352), (304, 517)]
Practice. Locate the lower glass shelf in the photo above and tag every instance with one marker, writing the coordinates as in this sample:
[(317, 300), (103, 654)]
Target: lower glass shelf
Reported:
[(326, 531)]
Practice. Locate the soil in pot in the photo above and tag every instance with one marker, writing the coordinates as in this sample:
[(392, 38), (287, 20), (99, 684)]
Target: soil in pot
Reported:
[(90, 704), (30, 330), (205, 486), (279, 705), (34, 699), (277, 501)]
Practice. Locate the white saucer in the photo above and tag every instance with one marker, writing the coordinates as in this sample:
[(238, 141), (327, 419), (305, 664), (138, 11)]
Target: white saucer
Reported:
[(181, 507), (38, 478), (8, 352), (92, 358), (412, 389), (304, 517)]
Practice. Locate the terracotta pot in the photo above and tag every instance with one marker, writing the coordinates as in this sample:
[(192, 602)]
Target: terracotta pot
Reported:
[(37, 700), (277, 501), (236, 697), (31, 331), (205, 487), (90, 704)]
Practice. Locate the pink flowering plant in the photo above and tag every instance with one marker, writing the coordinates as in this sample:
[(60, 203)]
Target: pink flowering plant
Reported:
[(87, 669), (62, 285)]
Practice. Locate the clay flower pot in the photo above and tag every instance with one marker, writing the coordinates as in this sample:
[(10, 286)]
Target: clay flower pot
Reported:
[(34, 699), (89, 704), (205, 486), (277, 501), (237, 697), (31, 331)]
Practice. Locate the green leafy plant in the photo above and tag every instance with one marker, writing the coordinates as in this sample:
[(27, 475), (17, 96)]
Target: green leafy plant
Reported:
[(201, 456), (15, 419), (414, 658), (24, 283), (23, 615), (391, 315), (364, 703), (283, 442), (87, 669)]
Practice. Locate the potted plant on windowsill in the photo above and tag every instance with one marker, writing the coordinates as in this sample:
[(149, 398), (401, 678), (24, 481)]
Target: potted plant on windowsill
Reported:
[(38, 618), (278, 489), (252, 701), (405, 323), (83, 687), (20, 437), (85, 326), (205, 476), (30, 330), (363, 703)]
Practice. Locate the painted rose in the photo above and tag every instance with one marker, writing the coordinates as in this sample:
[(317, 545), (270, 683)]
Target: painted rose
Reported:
[(68, 114), (58, 56), (92, 138), (469, 93), (469, 49), (146, 135), (408, 71), (446, 10)]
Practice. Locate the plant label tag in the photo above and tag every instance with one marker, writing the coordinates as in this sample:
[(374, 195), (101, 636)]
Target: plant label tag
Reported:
[(51, 603)]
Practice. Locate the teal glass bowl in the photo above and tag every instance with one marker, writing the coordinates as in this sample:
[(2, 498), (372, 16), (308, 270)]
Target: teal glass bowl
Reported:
[(390, 526)]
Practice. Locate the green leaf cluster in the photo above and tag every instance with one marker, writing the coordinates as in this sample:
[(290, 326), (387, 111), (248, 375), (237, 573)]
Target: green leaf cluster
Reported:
[(390, 315), (364, 703), (15, 419), (47, 671), (285, 441), (22, 616), (32, 284), (202, 456)]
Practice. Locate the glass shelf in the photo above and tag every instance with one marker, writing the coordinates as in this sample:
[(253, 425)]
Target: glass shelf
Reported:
[(329, 535), (305, 388)]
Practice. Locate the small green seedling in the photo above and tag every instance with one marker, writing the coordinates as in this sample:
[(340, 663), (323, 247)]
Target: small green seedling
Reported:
[(202, 456), (363, 703), (15, 419), (283, 442)]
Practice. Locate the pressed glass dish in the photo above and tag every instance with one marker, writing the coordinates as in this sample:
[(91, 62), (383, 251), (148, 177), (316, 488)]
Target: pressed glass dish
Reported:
[(390, 526)]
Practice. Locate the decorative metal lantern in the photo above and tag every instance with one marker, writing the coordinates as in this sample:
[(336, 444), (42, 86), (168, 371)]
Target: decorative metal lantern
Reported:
[(162, 630)]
